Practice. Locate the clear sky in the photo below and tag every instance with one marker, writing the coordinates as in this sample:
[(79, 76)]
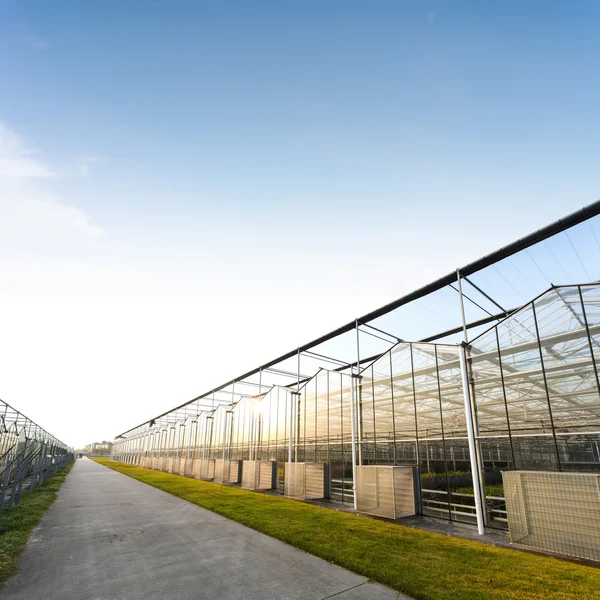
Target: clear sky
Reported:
[(188, 189)]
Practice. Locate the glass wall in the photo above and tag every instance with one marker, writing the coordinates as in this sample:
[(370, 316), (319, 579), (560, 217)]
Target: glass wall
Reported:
[(411, 407), (536, 390), (534, 393), (324, 428)]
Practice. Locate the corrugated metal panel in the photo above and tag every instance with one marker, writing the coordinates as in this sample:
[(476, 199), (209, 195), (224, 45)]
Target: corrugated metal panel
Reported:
[(316, 481), (221, 471), (404, 491), (267, 470), (385, 491), (366, 489), (306, 481), (227, 471), (293, 484), (196, 468), (249, 475), (187, 468), (259, 474), (235, 471), (204, 468), (557, 512), (175, 466)]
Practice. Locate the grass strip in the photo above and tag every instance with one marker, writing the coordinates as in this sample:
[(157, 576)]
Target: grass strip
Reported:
[(16, 525), (421, 564)]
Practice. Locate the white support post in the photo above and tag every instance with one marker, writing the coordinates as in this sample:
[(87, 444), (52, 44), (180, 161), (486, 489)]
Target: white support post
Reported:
[(178, 441), (254, 416), (189, 448), (225, 413), (353, 424), (251, 441), (226, 418), (462, 306), (359, 425), (206, 434), (471, 437), (196, 436), (297, 409), (291, 440)]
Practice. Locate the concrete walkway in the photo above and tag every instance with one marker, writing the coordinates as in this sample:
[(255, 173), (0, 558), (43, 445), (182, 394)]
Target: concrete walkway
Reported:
[(110, 537)]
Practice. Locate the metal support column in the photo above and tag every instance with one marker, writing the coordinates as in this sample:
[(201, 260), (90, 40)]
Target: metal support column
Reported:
[(353, 426), (359, 430), (225, 413), (480, 472), (291, 436), (471, 438)]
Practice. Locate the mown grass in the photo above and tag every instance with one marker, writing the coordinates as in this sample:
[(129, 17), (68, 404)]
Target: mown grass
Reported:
[(424, 565), (16, 525)]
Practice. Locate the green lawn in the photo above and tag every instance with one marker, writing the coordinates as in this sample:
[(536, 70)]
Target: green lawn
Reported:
[(424, 565), (16, 525)]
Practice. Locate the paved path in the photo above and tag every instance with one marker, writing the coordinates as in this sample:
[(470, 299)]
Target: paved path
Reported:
[(110, 537)]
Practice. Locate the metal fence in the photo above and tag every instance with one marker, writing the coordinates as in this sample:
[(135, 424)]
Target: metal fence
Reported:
[(28, 456)]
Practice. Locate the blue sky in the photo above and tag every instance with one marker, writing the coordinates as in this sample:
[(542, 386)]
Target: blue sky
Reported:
[(278, 150)]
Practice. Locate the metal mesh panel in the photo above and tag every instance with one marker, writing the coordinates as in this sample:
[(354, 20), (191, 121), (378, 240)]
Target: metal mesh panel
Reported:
[(557, 512), (385, 491)]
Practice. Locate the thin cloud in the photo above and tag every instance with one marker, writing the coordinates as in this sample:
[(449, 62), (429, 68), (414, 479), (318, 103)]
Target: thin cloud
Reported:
[(84, 164), (431, 17), (18, 161), (32, 217), (37, 43)]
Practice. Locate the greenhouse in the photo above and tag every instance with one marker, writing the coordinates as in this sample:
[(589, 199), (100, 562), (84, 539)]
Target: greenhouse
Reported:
[(28, 455), (493, 421)]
